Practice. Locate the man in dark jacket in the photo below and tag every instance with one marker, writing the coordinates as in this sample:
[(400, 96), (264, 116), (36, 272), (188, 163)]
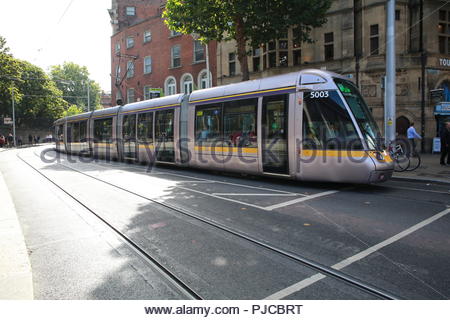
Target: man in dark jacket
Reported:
[(444, 134)]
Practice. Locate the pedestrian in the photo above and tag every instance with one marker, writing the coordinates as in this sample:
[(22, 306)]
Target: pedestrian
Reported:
[(412, 134), (30, 139), (2, 141), (10, 140), (19, 141), (444, 134)]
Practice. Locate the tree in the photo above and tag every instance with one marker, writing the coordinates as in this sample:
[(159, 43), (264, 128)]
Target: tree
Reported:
[(72, 110), (72, 80), (249, 22), (10, 71), (38, 101), (41, 101)]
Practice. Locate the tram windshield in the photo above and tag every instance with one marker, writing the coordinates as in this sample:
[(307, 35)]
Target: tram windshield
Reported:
[(361, 112)]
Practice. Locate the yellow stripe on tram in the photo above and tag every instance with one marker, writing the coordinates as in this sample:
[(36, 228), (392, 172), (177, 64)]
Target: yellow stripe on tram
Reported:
[(243, 94), (227, 149)]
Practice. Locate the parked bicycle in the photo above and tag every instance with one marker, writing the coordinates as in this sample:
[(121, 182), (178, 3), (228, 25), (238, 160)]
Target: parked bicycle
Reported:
[(403, 157)]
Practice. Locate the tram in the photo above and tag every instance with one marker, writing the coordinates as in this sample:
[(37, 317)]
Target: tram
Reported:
[(309, 125)]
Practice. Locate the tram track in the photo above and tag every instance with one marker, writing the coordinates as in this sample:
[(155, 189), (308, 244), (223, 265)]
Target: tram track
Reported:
[(166, 273), (322, 269)]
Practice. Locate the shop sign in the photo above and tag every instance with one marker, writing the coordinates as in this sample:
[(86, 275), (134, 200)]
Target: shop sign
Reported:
[(444, 62), (436, 145), (442, 108)]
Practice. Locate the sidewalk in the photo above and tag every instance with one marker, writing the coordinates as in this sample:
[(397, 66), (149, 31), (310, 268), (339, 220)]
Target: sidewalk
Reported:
[(429, 170), (15, 271)]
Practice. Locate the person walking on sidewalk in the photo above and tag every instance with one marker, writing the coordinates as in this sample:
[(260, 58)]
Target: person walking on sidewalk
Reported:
[(412, 134), (444, 134)]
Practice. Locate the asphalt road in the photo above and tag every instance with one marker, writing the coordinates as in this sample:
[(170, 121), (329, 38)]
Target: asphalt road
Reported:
[(393, 236)]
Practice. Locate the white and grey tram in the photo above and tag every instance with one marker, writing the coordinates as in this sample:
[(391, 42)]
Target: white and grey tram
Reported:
[(309, 125)]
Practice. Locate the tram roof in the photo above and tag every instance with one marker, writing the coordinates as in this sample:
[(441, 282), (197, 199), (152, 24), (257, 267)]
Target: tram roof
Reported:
[(279, 81), (153, 103)]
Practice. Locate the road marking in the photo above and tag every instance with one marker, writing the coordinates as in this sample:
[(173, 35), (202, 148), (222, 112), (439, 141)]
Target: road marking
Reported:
[(258, 194), (235, 184), (363, 254), (306, 198), (416, 189), (222, 198)]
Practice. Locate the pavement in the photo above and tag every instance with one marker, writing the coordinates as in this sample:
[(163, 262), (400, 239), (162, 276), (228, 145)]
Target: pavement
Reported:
[(430, 170), (15, 270)]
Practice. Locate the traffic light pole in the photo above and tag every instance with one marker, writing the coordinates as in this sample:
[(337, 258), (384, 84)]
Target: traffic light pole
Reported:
[(390, 92)]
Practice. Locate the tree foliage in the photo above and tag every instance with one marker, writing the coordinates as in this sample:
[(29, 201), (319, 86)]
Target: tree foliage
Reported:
[(72, 80), (41, 102), (72, 110), (249, 22), (38, 102)]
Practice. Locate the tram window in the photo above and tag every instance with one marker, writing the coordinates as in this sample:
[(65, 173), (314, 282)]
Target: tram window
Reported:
[(327, 124), (69, 133), (83, 131), (61, 133), (129, 127), (76, 132), (103, 130), (239, 122), (208, 123), (361, 112), (145, 127)]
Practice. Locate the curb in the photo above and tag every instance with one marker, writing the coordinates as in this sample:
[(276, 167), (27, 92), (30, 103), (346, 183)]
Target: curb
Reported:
[(428, 180), (16, 282)]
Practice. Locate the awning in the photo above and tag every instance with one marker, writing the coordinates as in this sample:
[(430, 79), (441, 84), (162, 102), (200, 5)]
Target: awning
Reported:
[(442, 108)]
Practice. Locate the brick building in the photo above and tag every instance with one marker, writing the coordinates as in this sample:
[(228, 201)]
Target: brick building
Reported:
[(352, 43), (148, 60)]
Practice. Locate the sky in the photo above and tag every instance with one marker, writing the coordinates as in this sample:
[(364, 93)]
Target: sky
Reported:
[(50, 32)]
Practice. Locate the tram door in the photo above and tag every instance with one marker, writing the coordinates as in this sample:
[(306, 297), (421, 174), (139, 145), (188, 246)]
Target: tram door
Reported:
[(275, 156), (165, 146), (129, 137)]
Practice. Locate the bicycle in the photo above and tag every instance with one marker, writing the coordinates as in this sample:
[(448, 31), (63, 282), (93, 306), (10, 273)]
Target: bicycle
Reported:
[(400, 157)]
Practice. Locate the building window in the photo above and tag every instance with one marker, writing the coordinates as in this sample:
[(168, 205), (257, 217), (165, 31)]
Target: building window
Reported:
[(175, 33), (170, 86), (329, 46), (117, 74), (444, 32), (117, 47), (147, 36), (130, 69), (176, 56), (130, 11), (256, 59), (283, 44), (130, 95), (147, 65), (232, 63), (130, 42), (187, 84), (147, 93), (296, 47), (203, 80), (272, 54), (199, 51), (397, 15), (374, 40)]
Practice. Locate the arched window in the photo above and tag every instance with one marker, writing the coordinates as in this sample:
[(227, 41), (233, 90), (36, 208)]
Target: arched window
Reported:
[(170, 86), (203, 79), (187, 84)]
